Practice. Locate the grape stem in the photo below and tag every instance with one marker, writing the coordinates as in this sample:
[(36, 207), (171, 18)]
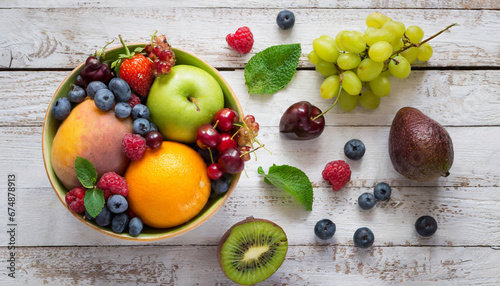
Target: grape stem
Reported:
[(424, 41), (337, 99)]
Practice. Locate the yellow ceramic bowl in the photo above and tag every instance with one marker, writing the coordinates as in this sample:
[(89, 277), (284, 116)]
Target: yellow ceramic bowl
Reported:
[(50, 126)]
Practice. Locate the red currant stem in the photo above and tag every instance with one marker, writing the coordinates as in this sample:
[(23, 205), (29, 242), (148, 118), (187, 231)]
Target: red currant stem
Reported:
[(424, 41), (211, 156), (337, 99), (251, 151), (193, 100), (153, 37)]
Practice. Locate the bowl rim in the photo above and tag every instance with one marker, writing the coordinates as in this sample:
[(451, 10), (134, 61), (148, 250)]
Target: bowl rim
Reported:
[(125, 236)]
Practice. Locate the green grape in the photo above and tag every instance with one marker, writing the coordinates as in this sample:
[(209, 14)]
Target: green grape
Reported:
[(351, 83), (330, 87), (410, 54), (348, 61), (380, 86), (386, 73), (399, 67), (338, 40), (380, 51), (397, 44), (373, 35), (415, 34), (369, 69), (347, 102), (313, 57), (325, 68), (396, 27), (424, 52), (326, 49), (353, 42), (369, 100), (376, 20)]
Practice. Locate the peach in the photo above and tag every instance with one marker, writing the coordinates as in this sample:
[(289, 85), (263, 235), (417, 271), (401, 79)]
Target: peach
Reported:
[(94, 135)]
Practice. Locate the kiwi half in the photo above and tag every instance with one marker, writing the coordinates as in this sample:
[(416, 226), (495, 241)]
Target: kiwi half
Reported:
[(252, 250)]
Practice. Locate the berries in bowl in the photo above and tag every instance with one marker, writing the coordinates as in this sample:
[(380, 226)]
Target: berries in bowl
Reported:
[(116, 131)]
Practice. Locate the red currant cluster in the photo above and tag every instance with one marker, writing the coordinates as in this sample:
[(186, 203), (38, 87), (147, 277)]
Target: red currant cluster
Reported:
[(161, 54), (233, 139)]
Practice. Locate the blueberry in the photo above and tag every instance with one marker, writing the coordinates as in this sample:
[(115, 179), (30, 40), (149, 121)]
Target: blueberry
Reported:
[(119, 222), (324, 229), (426, 225), (88, 216), (104, 99), (104, 217), (363, 237), (76, 94), (141, 126), (152, 127), (366, 201), (221, 185), (95, 86), (135, 226), (285, 19), (117, 204), (120, 89), (122, 110), (140, 111), (382, 192), (62, 108), (354, 149)]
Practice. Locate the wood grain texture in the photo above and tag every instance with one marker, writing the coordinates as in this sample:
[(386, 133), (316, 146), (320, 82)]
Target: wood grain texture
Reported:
[(61, 38), (304, 265)]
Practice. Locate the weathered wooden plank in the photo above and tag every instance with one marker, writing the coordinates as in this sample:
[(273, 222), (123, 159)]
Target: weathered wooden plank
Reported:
[(61, 38), (304, 265), (453, 98)]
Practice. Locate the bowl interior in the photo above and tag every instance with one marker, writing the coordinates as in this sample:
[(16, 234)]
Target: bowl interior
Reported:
[(51, 125)]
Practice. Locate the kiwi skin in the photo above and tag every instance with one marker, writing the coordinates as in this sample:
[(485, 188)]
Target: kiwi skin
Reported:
[(228, 233)]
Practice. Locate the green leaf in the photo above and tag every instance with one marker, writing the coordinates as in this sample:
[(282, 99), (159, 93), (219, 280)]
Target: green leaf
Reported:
[(85, 172), (93, 201), (272, 69), (292, 180)]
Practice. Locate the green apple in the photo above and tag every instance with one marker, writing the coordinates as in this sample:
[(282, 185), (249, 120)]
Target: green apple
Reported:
[(182, 101)]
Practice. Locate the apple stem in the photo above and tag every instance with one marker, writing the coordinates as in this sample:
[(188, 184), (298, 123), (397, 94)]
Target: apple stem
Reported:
[(193, 100), (337, 99)]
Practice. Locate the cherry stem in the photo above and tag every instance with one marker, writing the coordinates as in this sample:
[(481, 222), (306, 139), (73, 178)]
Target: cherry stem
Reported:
[(101, 52), (337, 99), (211, 156), (215, 125), (193, 100), (153, 37), (424, 41)]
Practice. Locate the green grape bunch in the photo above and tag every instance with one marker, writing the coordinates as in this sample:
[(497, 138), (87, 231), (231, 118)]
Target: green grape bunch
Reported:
[(353, 59)]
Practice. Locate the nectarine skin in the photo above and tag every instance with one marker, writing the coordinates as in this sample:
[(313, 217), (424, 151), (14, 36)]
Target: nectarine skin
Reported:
[(94, 135)]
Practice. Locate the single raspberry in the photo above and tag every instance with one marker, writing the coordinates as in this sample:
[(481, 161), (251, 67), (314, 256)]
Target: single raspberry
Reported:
[(74, 199), (134, 146), (241, 41), (130, 213), (337, 173), (114, 183), (134, 100)]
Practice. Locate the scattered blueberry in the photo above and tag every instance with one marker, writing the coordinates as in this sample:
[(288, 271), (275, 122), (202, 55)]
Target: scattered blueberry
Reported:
[(153, 127), (119, 222), (221, 185), (62, 108), (382, 192), (94, 87), (76, 94), (141, 126), (363, 237), (122, 110), (135, 226), (104, 99), (120, 89), (140, 111), (324, 229), (104, 217), (285, 19), (117, 204), (354, 149), (426, 225), (366, 201)]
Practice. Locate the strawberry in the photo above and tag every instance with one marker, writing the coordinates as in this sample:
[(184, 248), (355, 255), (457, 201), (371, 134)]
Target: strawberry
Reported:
[(135, 69)]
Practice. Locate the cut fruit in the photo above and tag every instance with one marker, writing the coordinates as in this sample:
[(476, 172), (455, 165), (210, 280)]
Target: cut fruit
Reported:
[(252, 250)]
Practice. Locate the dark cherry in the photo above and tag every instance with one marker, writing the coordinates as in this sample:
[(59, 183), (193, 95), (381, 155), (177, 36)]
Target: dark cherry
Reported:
[(225, 119), (226, 142), (94, 70), (207, 137), (297, 121), (154, 139), (230, 161)]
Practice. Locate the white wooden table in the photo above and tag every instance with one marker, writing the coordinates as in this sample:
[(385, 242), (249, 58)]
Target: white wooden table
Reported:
[(41, 41)]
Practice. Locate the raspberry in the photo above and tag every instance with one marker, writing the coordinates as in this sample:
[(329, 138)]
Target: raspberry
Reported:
[(74, 199), (241, 41), (130, 213), (112, 183), (337, 173), (134, 146), (134, 100)]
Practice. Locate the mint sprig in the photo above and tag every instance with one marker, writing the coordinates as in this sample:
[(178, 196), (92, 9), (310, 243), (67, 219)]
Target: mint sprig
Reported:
[(272, 69), (292, 180), (93, 201), (87, 175)]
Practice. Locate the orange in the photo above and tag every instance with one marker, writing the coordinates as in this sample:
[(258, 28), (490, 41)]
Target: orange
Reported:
[(168, 186)]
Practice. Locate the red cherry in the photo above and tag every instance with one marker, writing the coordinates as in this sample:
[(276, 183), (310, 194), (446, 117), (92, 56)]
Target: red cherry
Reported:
[(207, 137), (225, 119), (214, 172), (226, 142), (154, 139), (230, 161)]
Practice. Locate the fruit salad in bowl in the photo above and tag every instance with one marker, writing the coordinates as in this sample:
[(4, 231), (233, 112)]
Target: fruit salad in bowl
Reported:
[(144, 141)]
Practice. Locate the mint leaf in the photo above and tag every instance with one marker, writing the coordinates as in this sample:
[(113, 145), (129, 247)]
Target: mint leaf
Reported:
[(272, 69), (85, 172), (292, 180), (93, 201)]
